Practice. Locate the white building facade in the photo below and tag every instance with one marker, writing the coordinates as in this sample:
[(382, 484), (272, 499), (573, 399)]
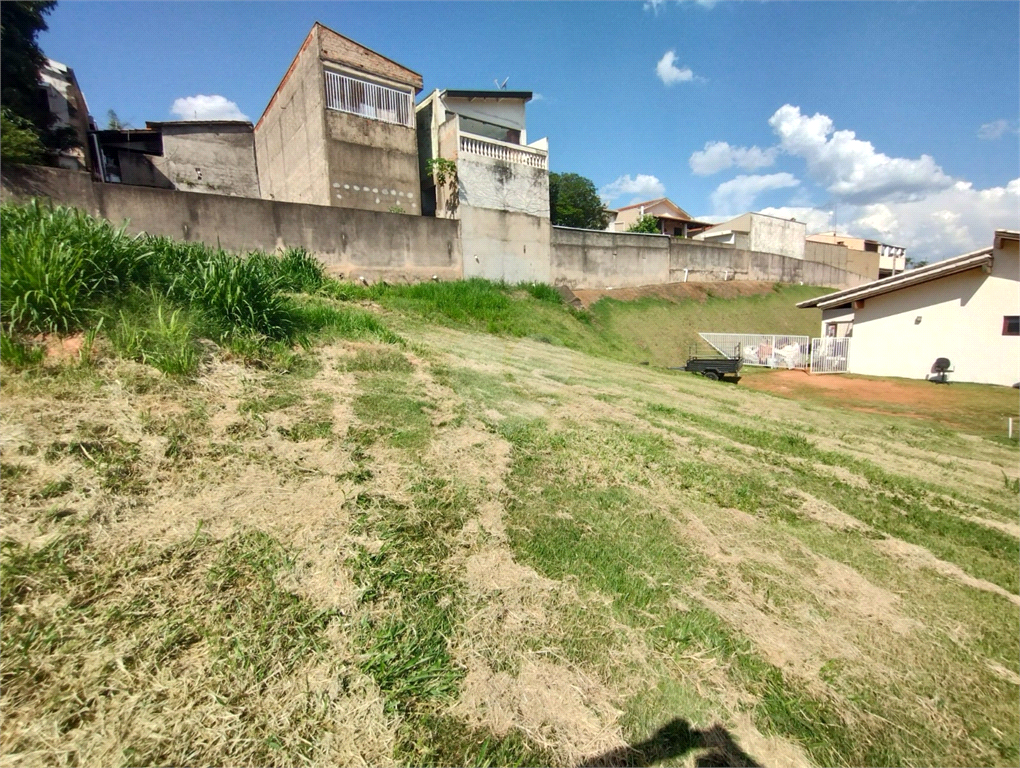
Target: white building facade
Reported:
[(966, 309)]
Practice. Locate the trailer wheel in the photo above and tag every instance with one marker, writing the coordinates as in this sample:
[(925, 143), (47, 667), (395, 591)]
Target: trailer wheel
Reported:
[(711, 375)]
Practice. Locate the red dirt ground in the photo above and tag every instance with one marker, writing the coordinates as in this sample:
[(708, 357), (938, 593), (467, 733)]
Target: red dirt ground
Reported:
[(969, 407)]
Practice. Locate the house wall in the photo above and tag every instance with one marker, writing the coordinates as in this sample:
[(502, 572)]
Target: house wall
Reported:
[(290, 143), (772, 235), (961, 318), (141, 169), (381, 159), (859, 262), (350, 242), (843, 315), (485, 182), (212, 159), (505, 245), (338, 48)]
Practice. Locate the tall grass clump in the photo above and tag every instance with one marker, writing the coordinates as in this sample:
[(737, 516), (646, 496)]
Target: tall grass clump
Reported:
[(151, 331), (57, 264)]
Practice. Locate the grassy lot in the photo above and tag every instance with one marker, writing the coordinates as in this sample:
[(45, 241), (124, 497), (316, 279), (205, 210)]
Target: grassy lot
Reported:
[(424, 539)]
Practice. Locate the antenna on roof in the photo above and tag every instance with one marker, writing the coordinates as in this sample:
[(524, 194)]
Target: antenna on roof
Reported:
[(499, 85)]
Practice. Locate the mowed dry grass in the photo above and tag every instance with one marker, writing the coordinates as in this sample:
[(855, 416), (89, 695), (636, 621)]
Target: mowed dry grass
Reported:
[(474, 550)]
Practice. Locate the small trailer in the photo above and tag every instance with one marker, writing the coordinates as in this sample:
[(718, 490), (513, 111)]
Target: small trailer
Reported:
[(713, 368)]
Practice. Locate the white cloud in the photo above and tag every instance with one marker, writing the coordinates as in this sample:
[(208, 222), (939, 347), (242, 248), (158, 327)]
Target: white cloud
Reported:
[(642, 187), (946, 223), (537, 97), (654, 6), (993, 130), (718, 156), (668, 71), (206, 108), (737, 195), (849, 168)]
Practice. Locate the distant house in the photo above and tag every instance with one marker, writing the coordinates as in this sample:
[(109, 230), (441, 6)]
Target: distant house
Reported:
[(966, 309), (211, 156), (759, 232), (67, 104), (483, 130), (501, 190), (892, 259), (340, 129), (673, 220)]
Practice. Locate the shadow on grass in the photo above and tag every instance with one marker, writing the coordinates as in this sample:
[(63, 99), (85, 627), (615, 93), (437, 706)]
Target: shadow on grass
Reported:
[(675, 739)]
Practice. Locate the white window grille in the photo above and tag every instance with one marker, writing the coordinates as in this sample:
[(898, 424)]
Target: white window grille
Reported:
[(376, 102)]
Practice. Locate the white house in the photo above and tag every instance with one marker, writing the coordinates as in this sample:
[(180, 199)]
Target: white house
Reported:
[(760, 232), (966, 308)]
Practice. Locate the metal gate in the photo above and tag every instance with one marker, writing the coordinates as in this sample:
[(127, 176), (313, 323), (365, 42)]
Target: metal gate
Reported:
[(830, 355), (764, 349)]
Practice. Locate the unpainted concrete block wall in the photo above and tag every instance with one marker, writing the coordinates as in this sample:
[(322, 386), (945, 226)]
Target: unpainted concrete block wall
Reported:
[(372, 165), (290, 141), (213, 159)]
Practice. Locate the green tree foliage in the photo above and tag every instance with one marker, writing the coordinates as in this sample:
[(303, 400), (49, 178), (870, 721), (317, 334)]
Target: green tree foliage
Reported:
[(573, 202), (21, 60), (646, 223), (19, 143), (114, 123)]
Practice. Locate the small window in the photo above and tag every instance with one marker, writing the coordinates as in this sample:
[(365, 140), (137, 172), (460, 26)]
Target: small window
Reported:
[(1011, 325)]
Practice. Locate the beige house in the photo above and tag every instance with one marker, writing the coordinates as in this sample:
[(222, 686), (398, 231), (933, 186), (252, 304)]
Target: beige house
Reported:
[(759, 232), (673, 220), (340, 129), (966, 309), (892, 259)]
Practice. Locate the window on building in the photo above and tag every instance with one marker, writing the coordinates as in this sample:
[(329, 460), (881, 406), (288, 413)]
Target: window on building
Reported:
[(490, 130), (376, 102), (1011, 325)]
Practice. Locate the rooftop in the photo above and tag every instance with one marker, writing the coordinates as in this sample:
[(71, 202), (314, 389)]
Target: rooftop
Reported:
[(912, 277), (492, 94)]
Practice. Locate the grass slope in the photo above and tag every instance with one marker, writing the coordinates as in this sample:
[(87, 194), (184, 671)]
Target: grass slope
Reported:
[(457, 527)]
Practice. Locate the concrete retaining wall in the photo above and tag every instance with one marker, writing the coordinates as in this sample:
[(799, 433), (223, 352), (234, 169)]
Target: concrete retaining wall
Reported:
[(591, 259), (585, 258), (354, 243), (397, 247)]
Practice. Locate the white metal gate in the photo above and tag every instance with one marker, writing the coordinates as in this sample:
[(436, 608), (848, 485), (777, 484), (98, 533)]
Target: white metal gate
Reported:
[(830, 355), (764, 349)]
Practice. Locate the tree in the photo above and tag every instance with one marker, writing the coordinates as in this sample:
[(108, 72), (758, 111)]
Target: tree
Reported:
[(915, 264), (646, 223), (21, 61), (573, 202), (19, 143), (114, 123)]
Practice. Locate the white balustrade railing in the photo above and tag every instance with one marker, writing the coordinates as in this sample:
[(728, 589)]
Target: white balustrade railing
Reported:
[(501, 150), (830, 354), (376, 102), (764, 349)]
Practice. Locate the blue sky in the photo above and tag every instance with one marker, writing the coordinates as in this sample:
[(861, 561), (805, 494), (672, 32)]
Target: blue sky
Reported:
[(901, 116)]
